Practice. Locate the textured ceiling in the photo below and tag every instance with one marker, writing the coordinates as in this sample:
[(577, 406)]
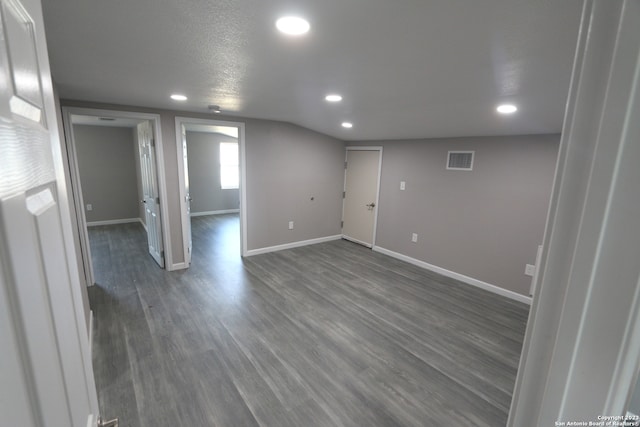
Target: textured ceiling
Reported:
[(406, 68)]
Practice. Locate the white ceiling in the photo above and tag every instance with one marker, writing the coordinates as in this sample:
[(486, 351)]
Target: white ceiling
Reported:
[(406, 68)]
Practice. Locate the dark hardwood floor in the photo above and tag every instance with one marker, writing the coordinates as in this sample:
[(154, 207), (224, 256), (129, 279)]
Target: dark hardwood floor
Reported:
[(325, 335)]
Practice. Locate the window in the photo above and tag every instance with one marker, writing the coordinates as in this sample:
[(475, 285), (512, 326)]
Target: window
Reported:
[(229, 169)]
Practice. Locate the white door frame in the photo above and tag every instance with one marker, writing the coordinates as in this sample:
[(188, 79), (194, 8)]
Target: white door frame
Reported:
[(180, 121), (344, 188), (581, 352), (76, 186)]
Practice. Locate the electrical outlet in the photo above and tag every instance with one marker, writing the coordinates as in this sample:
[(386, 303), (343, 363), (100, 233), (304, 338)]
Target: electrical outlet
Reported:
[(402, 185), (290, 225), (89, 207), (529, 270), (414, 237)]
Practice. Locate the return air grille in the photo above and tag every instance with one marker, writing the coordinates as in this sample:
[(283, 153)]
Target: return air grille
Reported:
[(460, 160)]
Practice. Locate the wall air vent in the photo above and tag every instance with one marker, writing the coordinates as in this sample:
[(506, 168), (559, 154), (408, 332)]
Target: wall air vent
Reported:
[(460, 160)]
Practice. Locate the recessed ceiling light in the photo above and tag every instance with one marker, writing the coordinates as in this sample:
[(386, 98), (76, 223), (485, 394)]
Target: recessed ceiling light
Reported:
[(347, 125), (293, 25), (506, 109), (178, 97), (333, 98)]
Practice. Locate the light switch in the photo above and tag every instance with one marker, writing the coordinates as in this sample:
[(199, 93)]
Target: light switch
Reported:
[(89, 207), (402, 185)]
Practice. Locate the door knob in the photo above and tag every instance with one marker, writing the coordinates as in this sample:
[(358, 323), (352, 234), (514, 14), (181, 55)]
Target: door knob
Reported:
[(371, 206)]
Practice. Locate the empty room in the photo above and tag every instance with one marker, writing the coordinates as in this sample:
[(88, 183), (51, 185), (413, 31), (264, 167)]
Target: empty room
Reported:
[(337, 213)]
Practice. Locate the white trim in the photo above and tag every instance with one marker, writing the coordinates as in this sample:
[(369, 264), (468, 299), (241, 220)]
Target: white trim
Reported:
[(581, 351), (91, 334), (182, 191), (344, 189), (536, 274), (243, 190), (452, 274), (162, 186), (181, 120), (179, 266), (364, 148), (112, 222), (221, 212), (292, 245), (92, 420), (77, 189)]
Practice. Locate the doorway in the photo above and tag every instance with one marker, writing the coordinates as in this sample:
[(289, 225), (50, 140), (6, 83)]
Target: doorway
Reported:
[(363, 166), (138, 157), (212, 175)]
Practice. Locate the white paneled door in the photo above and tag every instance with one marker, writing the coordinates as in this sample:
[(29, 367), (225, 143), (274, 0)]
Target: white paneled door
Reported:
[(360, 206), (187, 197), (151, 195), (46, 377)]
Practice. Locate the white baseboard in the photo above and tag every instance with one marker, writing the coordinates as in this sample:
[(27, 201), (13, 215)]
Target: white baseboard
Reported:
[(112, 222), (143, 225), (461, 277), (292, 245), (226, 211)]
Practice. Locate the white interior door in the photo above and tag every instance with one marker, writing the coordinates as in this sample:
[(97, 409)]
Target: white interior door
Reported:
[(360, 206), (46, 377), (151, 198), (187, 197)]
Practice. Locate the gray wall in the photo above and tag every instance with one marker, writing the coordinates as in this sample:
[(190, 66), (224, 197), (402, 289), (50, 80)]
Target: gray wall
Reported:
[(286, 165), (486, 223), (106, 162), (203, 151)]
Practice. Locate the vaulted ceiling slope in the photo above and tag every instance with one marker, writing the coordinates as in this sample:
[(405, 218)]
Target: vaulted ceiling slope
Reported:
[(405, 69)]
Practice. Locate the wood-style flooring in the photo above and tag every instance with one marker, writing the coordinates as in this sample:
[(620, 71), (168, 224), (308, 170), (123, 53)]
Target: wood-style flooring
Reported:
[(325, 335)]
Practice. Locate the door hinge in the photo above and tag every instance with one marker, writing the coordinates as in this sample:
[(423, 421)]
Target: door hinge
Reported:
[(152, 142), (341, 224), (161, 254), (158, 200), (345, 165), (344, 194)]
